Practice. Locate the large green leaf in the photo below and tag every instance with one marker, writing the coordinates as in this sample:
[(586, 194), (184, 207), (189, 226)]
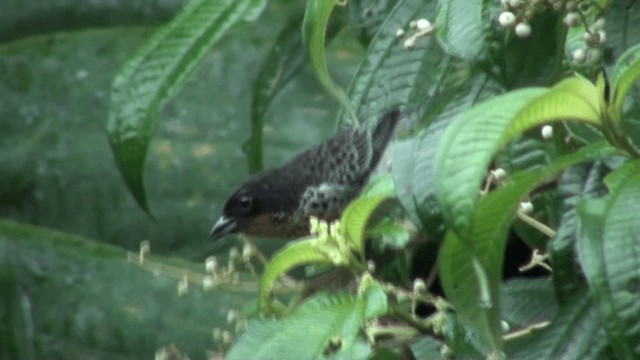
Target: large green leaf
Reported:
[(625, 74), (154, 74), (390, 75), (470, 142), (461, 27), (67, 297), (575, 184), (526, 302), (471, 272), (609, 255), (320, 324)]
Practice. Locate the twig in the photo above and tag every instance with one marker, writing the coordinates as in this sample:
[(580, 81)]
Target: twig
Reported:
[(526, 331)]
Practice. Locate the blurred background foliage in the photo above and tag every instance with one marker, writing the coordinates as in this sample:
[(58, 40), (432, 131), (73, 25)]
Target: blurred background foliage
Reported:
[(67, 297)]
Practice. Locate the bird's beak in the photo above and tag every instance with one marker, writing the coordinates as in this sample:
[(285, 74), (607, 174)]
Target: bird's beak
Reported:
[(223, 227)]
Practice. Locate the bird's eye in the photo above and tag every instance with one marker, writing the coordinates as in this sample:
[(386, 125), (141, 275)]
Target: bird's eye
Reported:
[(245, 202)]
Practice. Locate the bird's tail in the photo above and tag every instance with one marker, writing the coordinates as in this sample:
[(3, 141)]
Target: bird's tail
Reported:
[(382, 133)]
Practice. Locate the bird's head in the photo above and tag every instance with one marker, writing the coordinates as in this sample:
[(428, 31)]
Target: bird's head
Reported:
[(256, 207)]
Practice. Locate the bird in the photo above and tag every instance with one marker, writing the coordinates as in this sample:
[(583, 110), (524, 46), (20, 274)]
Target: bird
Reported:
[(318, 182)]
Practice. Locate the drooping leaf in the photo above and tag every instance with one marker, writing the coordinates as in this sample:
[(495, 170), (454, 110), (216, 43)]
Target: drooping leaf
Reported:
[(314, 29), (155, 73), (355, 219), (297, 253)]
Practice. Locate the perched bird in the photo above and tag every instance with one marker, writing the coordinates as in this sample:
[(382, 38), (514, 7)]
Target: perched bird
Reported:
[(319, 182)]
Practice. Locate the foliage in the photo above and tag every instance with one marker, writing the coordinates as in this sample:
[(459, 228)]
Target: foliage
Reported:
[(508, 105)]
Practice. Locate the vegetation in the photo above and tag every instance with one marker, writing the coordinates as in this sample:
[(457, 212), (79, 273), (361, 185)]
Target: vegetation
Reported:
[(521, 128)]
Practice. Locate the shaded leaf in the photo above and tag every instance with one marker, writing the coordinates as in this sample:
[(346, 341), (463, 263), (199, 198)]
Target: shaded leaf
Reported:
[(154, 74), (575, 333), (609, 254), (461, 27)]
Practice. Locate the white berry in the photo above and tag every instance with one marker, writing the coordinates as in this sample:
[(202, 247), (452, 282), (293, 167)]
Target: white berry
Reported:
[(507, 19), (547, 132), (523, 30), (499, 174), (423, 24), (399, 33), (526, 207), (571, 19), (579, 56)]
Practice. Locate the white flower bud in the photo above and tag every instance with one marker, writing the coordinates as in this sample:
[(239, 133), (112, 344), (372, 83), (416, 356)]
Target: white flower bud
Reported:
[(578, 56), (423, 24), (599, 24), (410, 43), (208, 283), (226, 338), (499, 174), (183, 285), (234, 253), (526, 207), (571, 19), (232, 316), (217, 334), (602, 37), (211, 264), (399, 33), (523, 30), (419, 286), (515, 3), (507, 19), (547, 132)]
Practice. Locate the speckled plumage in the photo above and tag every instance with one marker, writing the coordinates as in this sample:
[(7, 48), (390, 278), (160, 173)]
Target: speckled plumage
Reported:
[(318, 182)]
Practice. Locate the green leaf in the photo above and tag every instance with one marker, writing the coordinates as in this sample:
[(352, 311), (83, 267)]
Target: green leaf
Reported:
[(66, 296), (307, 333), (461, 27), (625, 74), (356, 216), (155, 73), (471, 272), (609, 255), (426, 348), (314, 28), (296, 253), (471, 141), (575, 333), (576, 183), (527, 301), (392, 235), (389, 75)]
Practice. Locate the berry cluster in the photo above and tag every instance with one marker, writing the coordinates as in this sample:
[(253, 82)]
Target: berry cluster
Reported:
[(517, 14), (419, 28)]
